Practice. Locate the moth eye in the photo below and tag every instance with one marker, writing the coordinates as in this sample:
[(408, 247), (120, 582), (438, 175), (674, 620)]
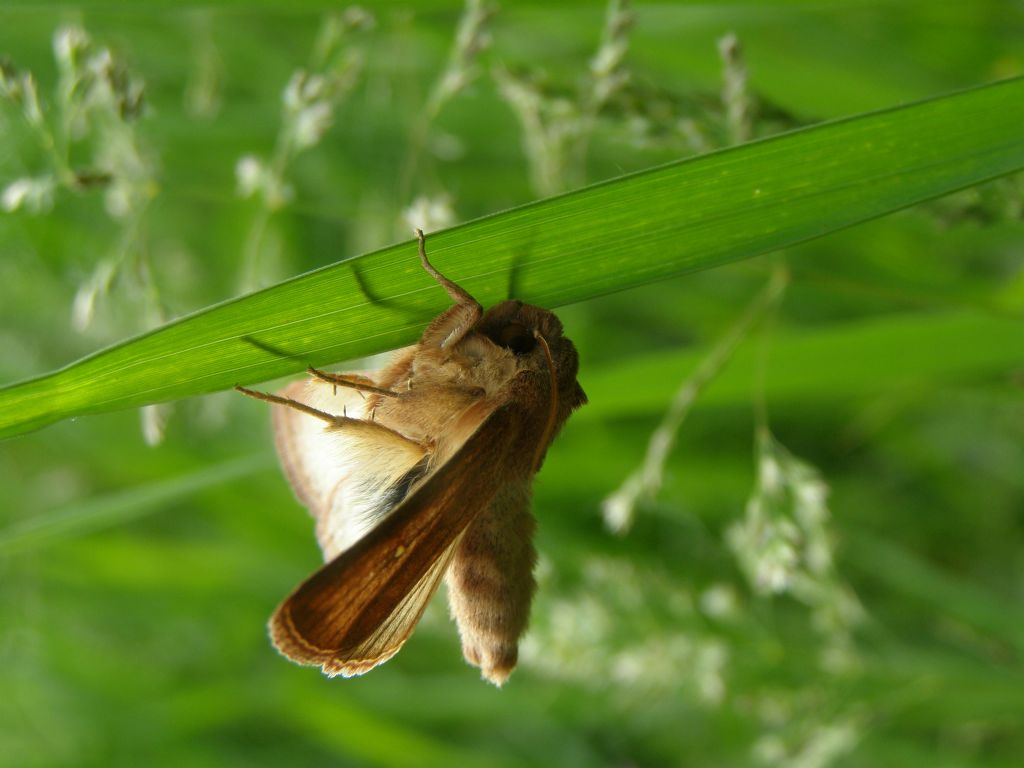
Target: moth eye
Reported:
[(516, 338)]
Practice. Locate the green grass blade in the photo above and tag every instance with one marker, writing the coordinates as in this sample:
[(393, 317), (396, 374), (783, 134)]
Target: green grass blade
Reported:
[(626, 232), (944, 594), (849, 360), (90, 515)]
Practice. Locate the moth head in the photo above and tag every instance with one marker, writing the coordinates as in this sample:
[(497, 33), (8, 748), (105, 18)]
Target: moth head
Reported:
[(515, 326)]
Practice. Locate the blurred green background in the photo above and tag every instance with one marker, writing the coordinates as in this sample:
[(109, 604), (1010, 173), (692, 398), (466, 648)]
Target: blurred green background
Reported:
[(135, 579)]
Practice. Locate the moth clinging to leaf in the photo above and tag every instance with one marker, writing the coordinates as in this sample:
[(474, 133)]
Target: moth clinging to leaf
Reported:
[(422, 471)]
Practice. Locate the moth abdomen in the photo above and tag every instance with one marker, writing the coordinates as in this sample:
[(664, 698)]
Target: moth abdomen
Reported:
[(490, 584)]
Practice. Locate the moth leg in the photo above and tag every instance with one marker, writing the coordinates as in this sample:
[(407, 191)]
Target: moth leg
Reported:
[(458, 294), (450, 326), (352, 380), (338, 422)]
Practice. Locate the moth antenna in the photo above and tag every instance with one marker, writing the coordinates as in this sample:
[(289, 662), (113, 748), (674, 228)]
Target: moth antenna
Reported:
[(549, 428), (458, 295)]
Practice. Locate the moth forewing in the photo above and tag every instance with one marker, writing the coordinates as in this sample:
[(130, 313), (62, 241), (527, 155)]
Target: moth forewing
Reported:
[(331, 617), (426, 470)]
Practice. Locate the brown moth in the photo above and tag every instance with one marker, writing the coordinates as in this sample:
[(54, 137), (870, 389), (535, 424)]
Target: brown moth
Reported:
[(419, 471)]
